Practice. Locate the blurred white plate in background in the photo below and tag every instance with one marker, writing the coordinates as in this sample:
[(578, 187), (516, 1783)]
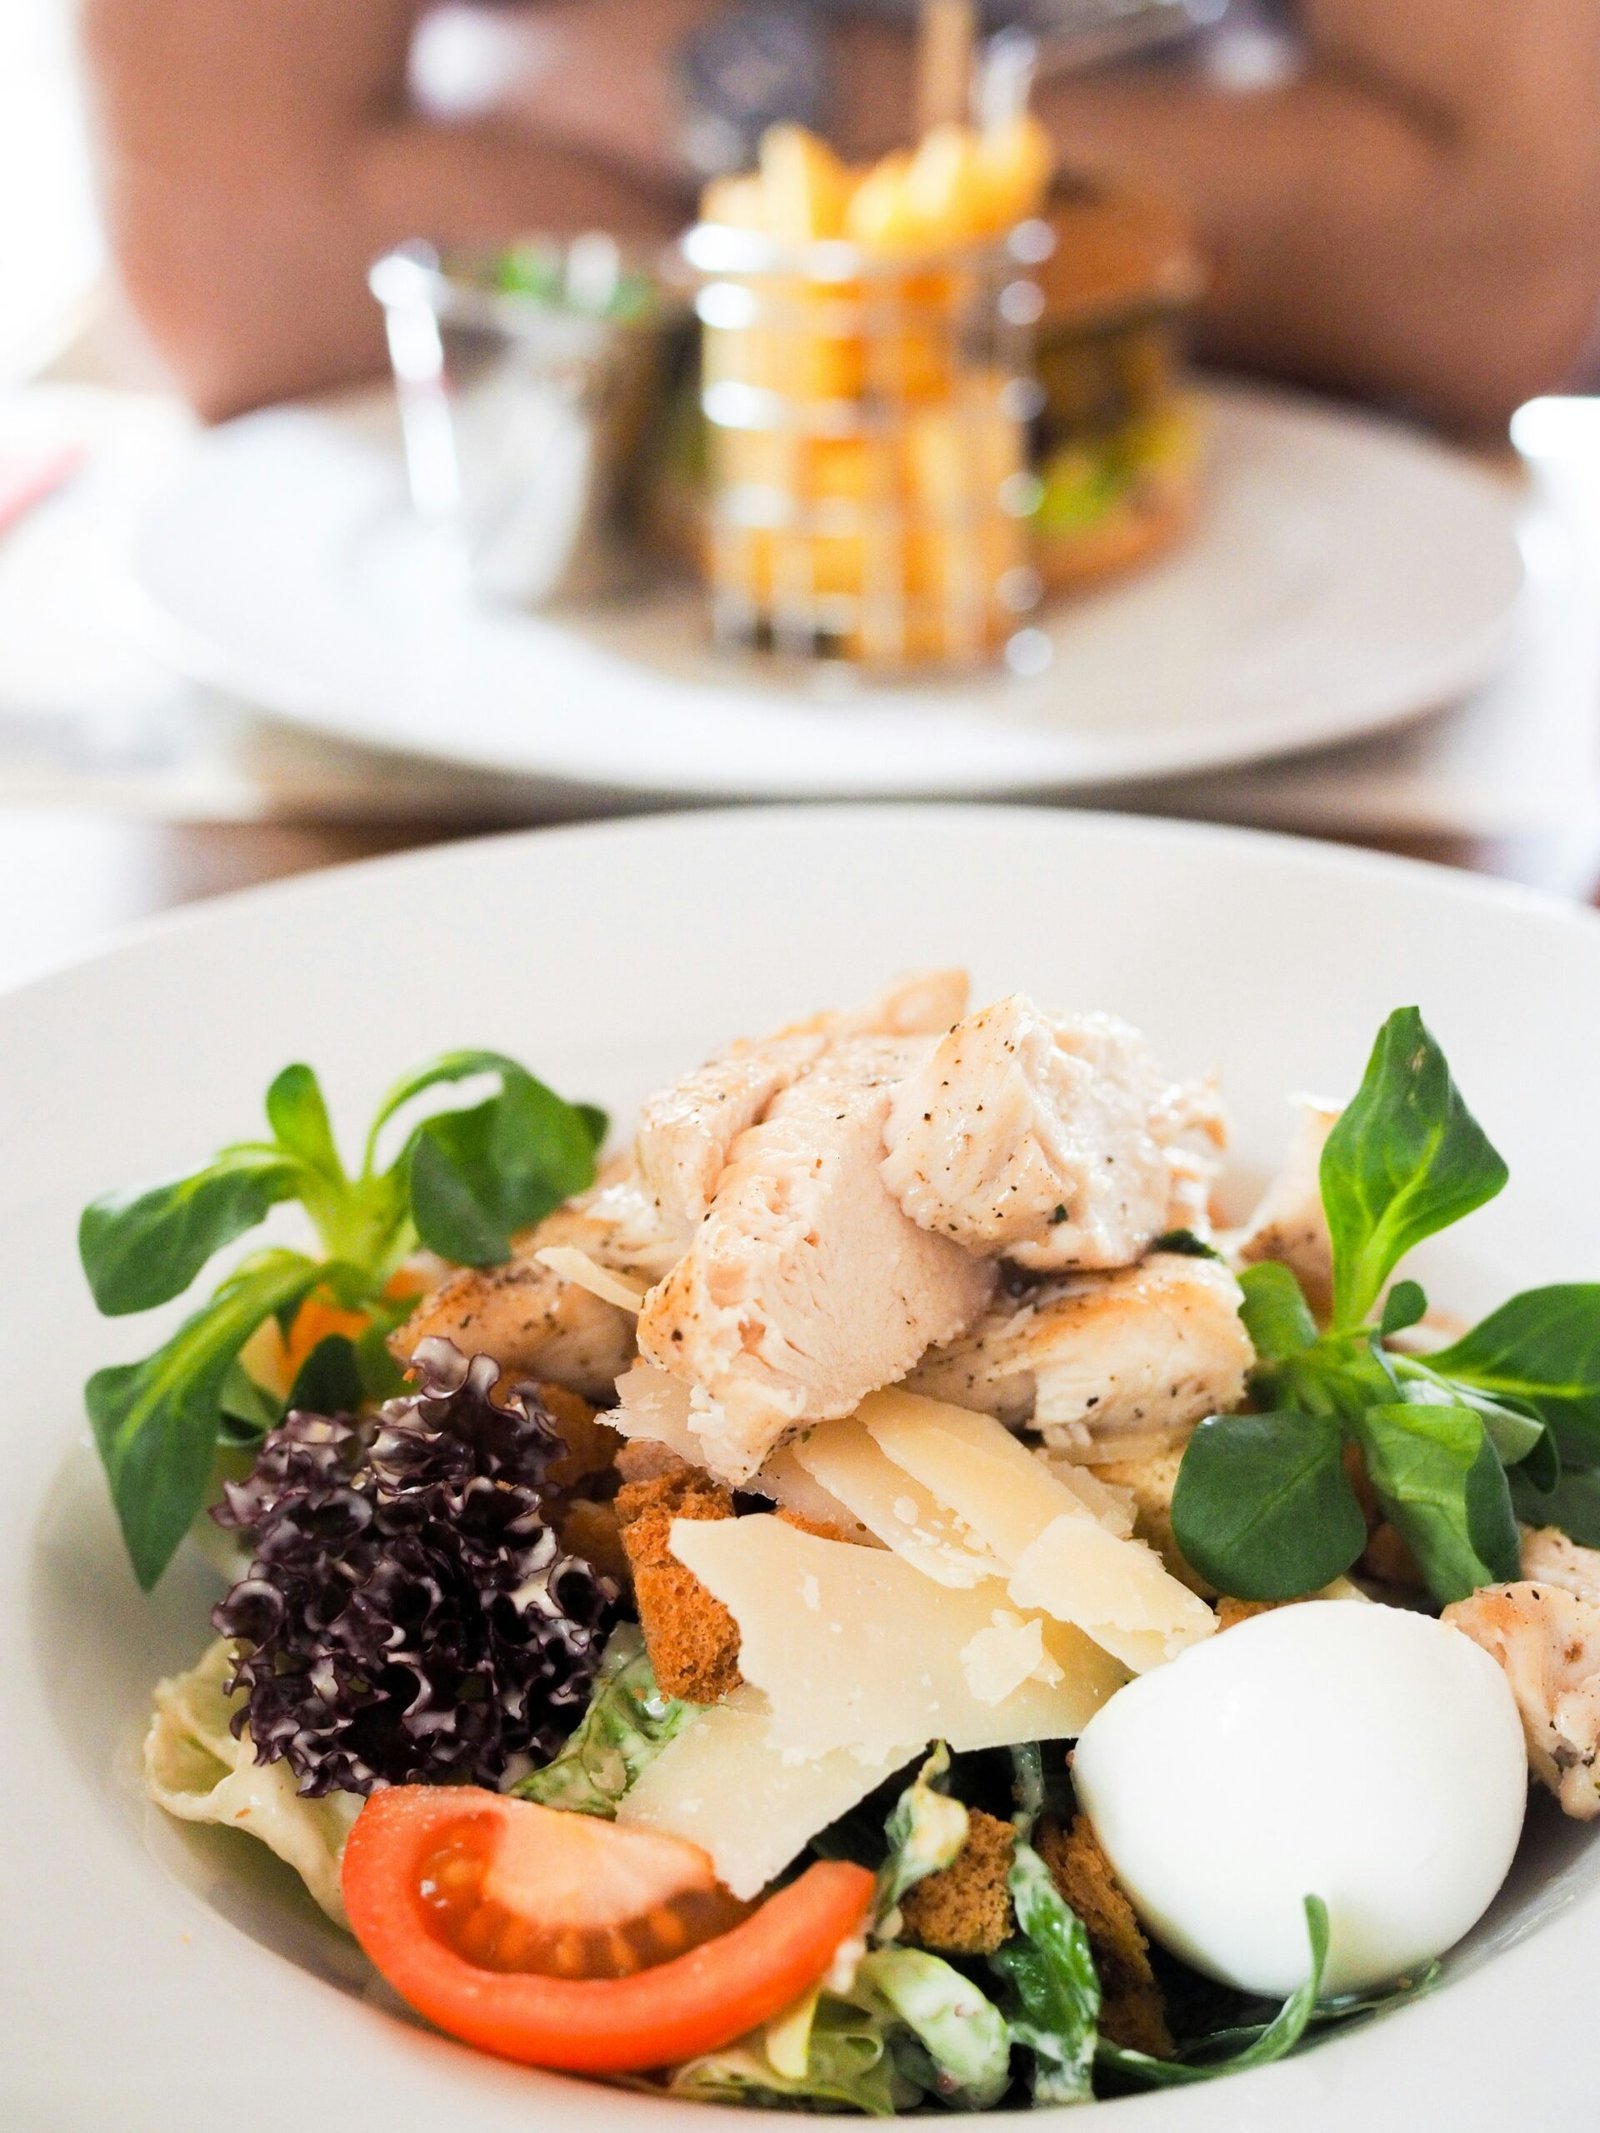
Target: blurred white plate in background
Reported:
[(1346, 575)]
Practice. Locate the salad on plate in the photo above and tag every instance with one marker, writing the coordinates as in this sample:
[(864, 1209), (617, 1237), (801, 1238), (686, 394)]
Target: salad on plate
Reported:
[(874, 1595)]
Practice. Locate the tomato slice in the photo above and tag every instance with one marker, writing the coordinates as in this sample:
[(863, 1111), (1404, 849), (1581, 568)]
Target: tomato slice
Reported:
[(566, 1942)]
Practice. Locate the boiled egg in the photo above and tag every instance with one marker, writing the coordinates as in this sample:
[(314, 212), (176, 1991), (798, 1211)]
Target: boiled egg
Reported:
[(1360, 1753)]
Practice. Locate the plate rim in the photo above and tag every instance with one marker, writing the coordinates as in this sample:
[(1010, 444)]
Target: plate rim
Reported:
[(1473, 657)]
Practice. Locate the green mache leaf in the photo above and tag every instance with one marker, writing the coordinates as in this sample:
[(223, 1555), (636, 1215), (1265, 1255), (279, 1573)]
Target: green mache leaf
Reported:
[(298, 1116), (1275, 1312), (926, 1829), (247, 1409), (1515, 1436), (1573, 1503), (329, 1381), (1542, 1351), (156, 1422), (478, 1175), (1402, 1307), (1278, 2038), (381, 1376), (1445, 1491), (1263, 1507), (965, 2055), (1406, 1159), (141, 1249), (1051, 1972), (628, 1722), (597, 1123)]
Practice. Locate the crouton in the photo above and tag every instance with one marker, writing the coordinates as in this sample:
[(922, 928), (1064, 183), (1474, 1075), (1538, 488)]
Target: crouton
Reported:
[(692, 1639), (591, 1445), (590, 1530), (1132, 2011), (1230, 1612), (966, 1908), (642, 1459)]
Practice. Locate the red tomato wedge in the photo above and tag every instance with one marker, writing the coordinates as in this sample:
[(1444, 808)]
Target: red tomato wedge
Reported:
[(566, 1942)]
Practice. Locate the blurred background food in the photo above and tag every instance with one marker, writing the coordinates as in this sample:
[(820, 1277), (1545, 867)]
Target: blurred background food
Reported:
[(1394, 208)]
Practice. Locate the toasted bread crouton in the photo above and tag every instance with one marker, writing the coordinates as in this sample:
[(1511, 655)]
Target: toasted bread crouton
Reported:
[(692, 1639), (1132, 2012), (642, 1459), (966, 1909), (591, 1445), (1231, 1611), (1150, 1481), (590, 1530)]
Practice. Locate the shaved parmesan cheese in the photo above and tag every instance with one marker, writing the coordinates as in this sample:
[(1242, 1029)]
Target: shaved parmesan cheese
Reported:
[(567, 1263), (655, 1407), (877, 1661), (999, 1659), (724, 1783), (1120, 1591), (1061, 1559), (972, 1463), (784, 1480), (1110, 1503), (902, 1514)]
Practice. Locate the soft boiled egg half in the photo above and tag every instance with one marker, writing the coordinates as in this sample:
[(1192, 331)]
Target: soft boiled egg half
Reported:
[(1336, 1748)]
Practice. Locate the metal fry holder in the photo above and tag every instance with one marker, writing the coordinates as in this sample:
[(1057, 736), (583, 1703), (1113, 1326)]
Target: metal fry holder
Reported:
[(867, 424)]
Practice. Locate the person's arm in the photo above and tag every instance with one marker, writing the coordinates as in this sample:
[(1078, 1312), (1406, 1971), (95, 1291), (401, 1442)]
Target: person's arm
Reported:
[(259, 154), (1417, 216)]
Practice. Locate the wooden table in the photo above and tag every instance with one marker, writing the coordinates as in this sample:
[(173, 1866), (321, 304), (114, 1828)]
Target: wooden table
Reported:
[(67, 880)]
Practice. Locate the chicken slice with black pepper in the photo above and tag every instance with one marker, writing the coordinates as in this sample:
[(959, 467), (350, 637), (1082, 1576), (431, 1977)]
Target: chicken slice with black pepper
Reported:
[(806, 1287), (1546, 1637), (534, 1323), (1054, 1143), (1106, 1367)]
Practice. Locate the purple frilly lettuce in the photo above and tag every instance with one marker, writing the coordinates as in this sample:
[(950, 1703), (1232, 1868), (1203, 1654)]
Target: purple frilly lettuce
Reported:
[(408, 1615)]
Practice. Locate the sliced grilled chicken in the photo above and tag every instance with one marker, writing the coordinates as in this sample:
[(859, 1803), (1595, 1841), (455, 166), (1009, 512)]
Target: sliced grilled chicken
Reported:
[(1054, 1143), (1547, 1638), (532, 1322), (806, 1287), (1287, 1222), (1105, 1366), (1550, 1558), (652, 1201)]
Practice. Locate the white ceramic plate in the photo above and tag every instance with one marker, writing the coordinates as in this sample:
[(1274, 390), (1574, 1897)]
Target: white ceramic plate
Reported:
[(160, 1977), (1345, 575)]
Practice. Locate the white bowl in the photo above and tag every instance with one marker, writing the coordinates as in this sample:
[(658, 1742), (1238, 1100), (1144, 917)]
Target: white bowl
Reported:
[(160, 1977)]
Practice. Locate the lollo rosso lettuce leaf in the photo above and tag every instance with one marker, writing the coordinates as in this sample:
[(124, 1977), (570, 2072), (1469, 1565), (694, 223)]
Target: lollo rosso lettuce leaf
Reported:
[(408, 1616)]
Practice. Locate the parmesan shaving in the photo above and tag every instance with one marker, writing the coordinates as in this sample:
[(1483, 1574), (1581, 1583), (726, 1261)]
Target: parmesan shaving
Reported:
[(1060, 1558), (787, 1481), (726, 1784), (568, 1263), (889, 1504), (654, 1407), (877, 1662), (1119, 1591), (999, 1659)]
